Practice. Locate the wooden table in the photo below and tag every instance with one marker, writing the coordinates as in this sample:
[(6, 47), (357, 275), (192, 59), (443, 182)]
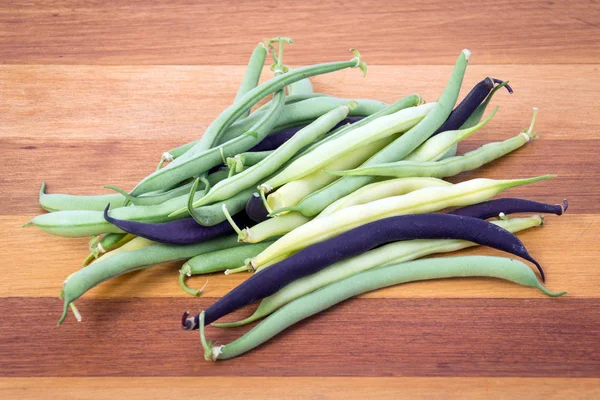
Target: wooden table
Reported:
[(93, 93)]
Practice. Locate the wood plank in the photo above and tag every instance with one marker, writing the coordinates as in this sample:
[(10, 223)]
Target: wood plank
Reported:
[(174, 104), (223, 32), (300, 388), (360, 337), (565, 246)]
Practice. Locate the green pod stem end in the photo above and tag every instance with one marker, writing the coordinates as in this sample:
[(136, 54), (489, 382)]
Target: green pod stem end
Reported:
[(186, 271)]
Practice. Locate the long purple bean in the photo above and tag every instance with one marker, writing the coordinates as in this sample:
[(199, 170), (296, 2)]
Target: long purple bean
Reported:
[(274, 140), (357, 241), (472, 100), (493, 208), (183, 231)]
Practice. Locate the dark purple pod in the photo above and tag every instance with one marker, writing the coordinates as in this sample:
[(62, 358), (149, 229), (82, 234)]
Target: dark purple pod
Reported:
[(357, 241), (276, 139), (255, 209), (472, 100), (493, 208), (182, 231)]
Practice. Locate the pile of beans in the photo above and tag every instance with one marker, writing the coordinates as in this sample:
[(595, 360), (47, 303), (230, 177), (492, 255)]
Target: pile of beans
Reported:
[(319, 198)]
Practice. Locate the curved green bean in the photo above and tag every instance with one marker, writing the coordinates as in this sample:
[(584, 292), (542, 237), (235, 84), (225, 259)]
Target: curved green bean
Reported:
[(273, 161), (186, 166), (212, 214), (106, 243), (420, 201), (60, 202), (382, 190), (252, 74), (448, 167), (436, 147), (319, 300), (397, 150), (393, 253), (355, 138), (217, 261), (104, 269)]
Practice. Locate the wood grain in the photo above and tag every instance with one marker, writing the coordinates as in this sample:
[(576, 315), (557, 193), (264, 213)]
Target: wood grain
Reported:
[(360, 337), (224, 32), (91, 93), (413, 388)]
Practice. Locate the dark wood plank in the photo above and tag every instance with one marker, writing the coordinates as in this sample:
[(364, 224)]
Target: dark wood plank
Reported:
[(224, 32), (361, 337)]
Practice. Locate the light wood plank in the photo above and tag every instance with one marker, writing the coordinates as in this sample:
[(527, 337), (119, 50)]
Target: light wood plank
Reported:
[(245, 388), (175, 103), (566, 247), (221, 32)]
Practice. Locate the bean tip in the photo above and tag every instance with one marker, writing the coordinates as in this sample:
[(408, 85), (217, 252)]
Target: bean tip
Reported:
[(565, 205), (187, 323), (467, 54)]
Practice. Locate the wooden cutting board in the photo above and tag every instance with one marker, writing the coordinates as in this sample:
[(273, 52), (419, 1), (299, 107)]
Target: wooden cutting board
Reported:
[(92, 94)]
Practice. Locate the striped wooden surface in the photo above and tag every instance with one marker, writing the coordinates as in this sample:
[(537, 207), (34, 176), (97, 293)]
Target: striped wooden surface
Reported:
[(92, 93)]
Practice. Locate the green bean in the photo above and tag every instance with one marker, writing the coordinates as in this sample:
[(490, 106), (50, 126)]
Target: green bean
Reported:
[(301, 87), (293, 192), (187, 165), (104, 269), (77, 223), (212, 214), (273, 161), (381, 190), (271, 227), (106, 243), (241, 161), (450, 153), (252, 74), (393, 253), (59, 202), (355, 138), (448, 167), (420, 201), (319, 300), (435, 148), (397, 150), (296, 112), (217, 261)]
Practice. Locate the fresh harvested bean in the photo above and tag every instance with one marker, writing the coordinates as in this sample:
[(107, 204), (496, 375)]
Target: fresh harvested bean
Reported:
[(271, 227), (77, 223), (217, 261), (192, 163), (252, 74), (213, 214), (316, 257), (381, 190), (392, 253), (500, 207), (108, 242), (255, 208), (102, 270), (60, 202), (437, 146), (183, 231), (472, 100), (444, 168), (301, 87), (241, 161), (480, 110), (293, 192), (436, 268), (269, 165), (276, 139), (409, 101), (149, 199), (357, 137), (419, 201), (397, 150)]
